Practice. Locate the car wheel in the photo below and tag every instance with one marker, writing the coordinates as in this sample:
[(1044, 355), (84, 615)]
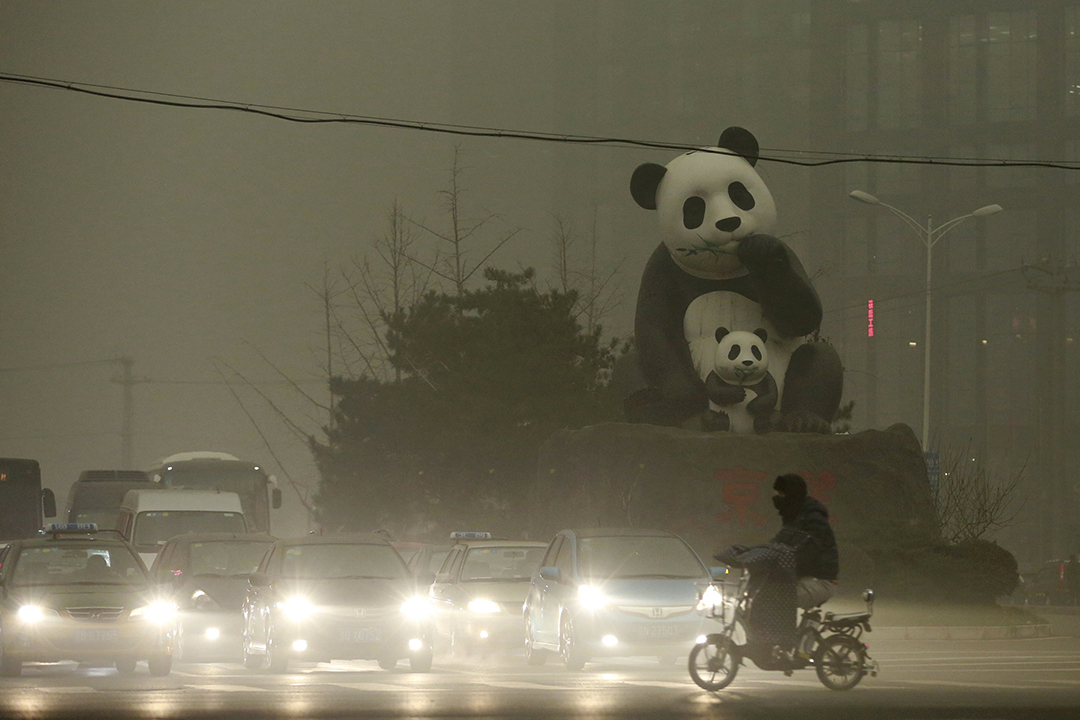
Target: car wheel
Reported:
[(421, 661), (251, 661), (572, 656), (387, 663), (277, 661), (534, 656), (160, 665), (126, 666)]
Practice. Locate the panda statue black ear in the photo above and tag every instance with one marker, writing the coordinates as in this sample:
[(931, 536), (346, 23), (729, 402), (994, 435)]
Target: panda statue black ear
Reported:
[(644, 182), (720, 333), (740, 141), (760, 332)]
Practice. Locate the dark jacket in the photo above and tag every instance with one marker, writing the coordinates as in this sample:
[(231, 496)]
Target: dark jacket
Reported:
[(812, 537)]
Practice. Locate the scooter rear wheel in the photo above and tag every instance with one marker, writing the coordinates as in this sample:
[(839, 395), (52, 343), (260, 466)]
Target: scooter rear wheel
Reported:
[(840, 662), (714, 663)]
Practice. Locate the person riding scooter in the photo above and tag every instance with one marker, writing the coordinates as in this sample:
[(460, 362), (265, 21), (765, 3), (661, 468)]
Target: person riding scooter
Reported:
[(806, 528)]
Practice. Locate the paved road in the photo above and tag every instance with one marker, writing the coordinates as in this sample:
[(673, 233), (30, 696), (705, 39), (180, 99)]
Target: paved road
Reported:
[(1004, 679)]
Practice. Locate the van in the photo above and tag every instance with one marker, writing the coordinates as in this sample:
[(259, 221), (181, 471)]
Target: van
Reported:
[(96, 496), (148, 518)]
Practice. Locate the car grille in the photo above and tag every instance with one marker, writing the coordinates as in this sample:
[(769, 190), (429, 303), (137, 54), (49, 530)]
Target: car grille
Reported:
[(655, 612), (101, 614)]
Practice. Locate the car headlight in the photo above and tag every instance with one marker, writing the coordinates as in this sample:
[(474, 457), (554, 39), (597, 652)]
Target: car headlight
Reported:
[(31, 614), (483, 607), (160, 612), (416, 608), (591, 598), (710, 598), (296, 607)]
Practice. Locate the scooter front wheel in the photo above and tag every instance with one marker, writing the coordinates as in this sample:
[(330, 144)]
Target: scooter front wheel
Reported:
[(714, 663)]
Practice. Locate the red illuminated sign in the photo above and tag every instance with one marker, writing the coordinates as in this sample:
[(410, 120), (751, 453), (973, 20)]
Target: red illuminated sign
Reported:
[(869, 318)]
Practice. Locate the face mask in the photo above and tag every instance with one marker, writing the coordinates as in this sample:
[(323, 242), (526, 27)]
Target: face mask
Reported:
[(778, 501)]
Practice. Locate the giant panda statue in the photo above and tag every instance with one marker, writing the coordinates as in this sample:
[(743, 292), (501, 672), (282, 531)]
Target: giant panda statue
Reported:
[(719, 266)]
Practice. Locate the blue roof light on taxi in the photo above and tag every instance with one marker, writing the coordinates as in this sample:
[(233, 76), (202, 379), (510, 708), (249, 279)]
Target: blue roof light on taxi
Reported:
[(470, 536), (71, 527)]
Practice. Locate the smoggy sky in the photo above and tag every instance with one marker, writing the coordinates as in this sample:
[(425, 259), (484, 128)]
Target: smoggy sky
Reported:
[(178, 236)]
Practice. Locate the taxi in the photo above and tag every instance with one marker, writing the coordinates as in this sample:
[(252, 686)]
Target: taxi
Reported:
[(479, 591), (74, 594)]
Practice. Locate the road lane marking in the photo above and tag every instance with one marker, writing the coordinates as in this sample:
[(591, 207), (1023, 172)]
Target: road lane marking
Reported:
[(383, 687), (65, 689), (520, 685)]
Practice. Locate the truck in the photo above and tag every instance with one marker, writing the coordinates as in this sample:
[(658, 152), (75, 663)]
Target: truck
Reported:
[(23, 502), (96, 496)]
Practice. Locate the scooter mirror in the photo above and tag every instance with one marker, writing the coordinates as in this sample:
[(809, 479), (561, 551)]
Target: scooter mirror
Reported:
[(868, 596)]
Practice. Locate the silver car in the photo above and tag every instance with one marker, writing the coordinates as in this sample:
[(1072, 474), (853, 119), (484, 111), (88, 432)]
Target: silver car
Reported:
[(615, 592)]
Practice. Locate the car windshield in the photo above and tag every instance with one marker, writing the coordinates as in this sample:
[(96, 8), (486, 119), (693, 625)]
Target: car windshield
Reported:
[(226, 557), (500, 563), (104, 518), (330, 561), (638, 557), (154, 528), (77, 564), (432, 561)]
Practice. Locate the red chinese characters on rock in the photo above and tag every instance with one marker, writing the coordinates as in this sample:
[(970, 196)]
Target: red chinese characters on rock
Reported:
[(743, 489)]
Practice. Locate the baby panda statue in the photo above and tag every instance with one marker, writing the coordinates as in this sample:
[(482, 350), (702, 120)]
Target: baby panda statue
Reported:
[(741, 363), (718, 265)]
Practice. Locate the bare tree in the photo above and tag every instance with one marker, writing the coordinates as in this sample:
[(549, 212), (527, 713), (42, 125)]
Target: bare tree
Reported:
[(380, 284), (972, 502), (454, 265), (598, 291)]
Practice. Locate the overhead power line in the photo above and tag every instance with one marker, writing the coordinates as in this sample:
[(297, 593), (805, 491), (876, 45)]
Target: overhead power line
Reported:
[(307, 116)]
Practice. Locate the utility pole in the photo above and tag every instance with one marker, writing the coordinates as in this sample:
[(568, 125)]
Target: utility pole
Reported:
[(128, 381), (1057, 494)]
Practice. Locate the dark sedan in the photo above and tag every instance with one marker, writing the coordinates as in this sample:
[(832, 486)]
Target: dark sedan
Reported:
[(335, 598), (206, 574)]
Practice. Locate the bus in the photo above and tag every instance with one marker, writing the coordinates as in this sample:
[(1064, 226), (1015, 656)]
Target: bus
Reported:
[(23, 502), (96, 496), (220, 471)]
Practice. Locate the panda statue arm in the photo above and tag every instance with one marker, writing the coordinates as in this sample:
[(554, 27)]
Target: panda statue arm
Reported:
[(722, 392), (787, 297), (767, 397), (663, 354)]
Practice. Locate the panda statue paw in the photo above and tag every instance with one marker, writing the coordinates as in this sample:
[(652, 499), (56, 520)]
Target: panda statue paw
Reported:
[(767, 422), (715, 421), (757, 251)]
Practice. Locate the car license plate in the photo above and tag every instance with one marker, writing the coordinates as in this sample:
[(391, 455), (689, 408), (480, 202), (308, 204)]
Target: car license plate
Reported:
[(658, 631), (96, 637), (362, 635)]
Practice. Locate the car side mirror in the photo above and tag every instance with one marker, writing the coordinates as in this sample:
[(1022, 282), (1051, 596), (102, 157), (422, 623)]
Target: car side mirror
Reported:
[(423, 579), (442, 577), (48, 503), (259, 579), (551, 574), (275, 498), (718, 573)]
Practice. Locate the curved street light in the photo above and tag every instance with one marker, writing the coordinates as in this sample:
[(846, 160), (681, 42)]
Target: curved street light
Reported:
[(929, 235)]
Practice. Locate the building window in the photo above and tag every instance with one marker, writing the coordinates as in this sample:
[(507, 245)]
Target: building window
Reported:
[(856, 78), (898, 86), (963, 70), (1010, 66), (1072, 60)]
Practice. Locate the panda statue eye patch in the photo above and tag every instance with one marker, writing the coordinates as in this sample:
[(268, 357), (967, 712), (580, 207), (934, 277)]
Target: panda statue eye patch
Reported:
[(740, 196), (693, 212), (756, 351), (734, 352)]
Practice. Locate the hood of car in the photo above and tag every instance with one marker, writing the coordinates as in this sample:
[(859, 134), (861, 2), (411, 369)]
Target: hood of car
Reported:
[(61, 598), (649, 592), (500, 592), (348, 592), (226, 591)]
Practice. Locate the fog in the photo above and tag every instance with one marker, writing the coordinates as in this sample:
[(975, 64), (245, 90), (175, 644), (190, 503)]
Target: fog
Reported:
[(178, 237)]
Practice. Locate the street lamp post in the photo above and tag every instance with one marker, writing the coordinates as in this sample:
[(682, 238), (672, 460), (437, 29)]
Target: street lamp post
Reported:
[(929, 236)]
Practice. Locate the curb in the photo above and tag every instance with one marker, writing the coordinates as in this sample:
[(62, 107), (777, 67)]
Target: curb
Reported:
[(974, 632)]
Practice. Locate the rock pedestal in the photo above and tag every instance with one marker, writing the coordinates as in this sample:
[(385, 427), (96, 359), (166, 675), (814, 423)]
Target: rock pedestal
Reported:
[(715, 489)]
